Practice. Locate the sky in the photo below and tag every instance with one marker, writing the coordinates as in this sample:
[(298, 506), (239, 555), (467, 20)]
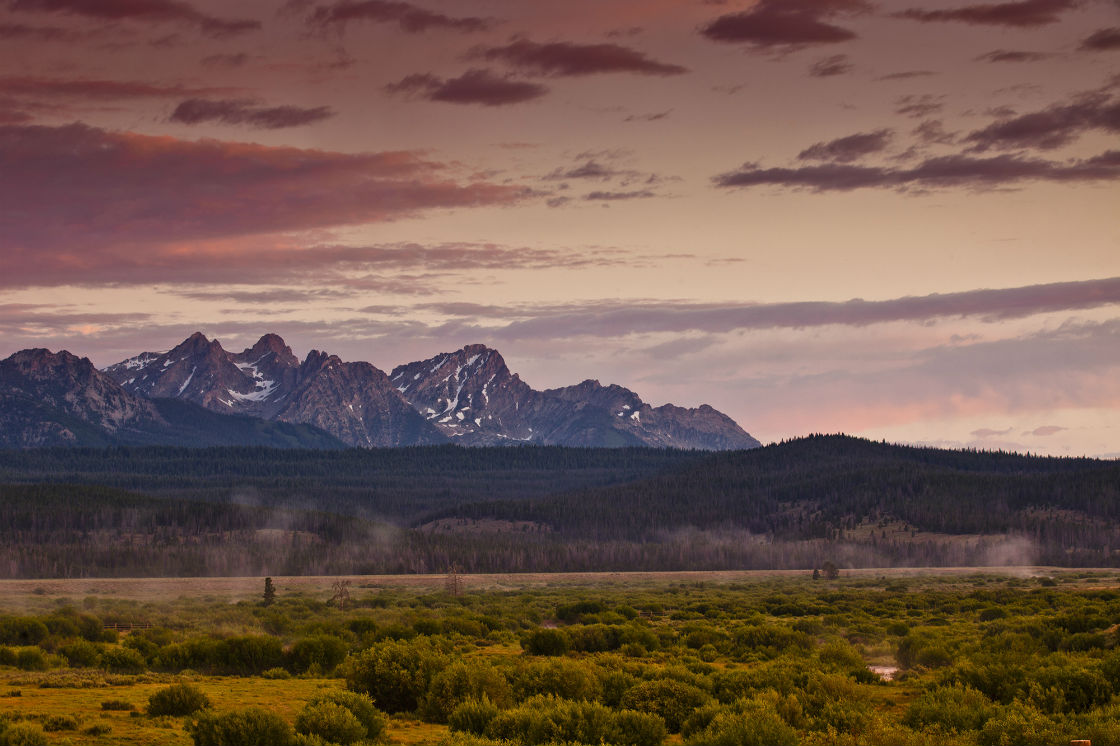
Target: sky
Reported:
[(895, 219)]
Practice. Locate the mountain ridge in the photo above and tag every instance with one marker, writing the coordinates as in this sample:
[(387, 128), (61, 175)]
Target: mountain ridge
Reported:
[(468, 396)]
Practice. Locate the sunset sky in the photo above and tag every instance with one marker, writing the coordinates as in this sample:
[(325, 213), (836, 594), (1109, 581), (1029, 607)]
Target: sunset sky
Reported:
[(894, 219)]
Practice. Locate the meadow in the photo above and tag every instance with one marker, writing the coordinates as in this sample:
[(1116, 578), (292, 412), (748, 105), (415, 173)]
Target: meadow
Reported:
[(954, 656)]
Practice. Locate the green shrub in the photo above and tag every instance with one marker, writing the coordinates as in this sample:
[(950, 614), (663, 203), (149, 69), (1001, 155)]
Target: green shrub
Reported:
[(923, 648), (81, 654), (473, 715), (700, 719), (632, 728), (117, 704), (395, 674), (276, 673), (756, 727), (98, 729), (8, 656), (672, 701), (322, 651), (249, 654), (373, 721), (23, 734), (461, 681), (559, 677), (178, 699), (840, 656), (1020, 724), (954, 708), (546, 642), (55, 723), (22, 630), (197, 653), (547, 720), (31, 659), (614, 684), (768, 641), (1068, 687), (331, 722), (253, 726), (123, 660)]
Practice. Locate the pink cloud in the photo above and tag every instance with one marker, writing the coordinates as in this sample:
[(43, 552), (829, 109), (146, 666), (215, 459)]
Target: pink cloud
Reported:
[(472, 87), (1045, 430), (786, 23), (96, 89), (1024, 13), (987, 432), (143, 11), (566, 58), (123, 190)]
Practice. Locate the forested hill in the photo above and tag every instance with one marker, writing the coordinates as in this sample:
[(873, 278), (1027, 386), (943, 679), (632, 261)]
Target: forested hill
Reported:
[(818, 486), (396, 483), (790, 505)]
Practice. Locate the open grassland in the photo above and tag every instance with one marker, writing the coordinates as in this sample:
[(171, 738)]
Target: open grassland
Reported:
[(948, 656), (47, 592)]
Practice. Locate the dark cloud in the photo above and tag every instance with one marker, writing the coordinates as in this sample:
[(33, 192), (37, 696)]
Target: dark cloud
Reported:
[(95, 89), (654, 117), (906, 75), (1008, 55), (144, 11), (617, 318), (1050, 128), (987, 432), (1045, 430), (17, 31), (284, 295), (1106, 39), (200, 110), (1025, 13), (918, 107), (11, 115), (616, 196), (786, 23), (240, 59), (591, 169), (567, 59), (341, 271), (932, 173), (848, 149), (932, 132), (827, 67), (123, 191), (410, 18), (472, 87)]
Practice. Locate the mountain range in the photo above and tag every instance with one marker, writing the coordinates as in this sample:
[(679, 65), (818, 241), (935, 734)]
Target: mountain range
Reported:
[(198, 393)]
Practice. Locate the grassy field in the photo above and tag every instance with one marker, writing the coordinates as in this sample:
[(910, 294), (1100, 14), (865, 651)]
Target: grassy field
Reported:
[(45, 592), (742, 642)]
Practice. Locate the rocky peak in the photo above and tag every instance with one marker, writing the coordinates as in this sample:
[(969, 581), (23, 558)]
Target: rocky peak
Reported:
[(197, 344), (39, 363), (272, 347), (71, 384), (316, 361)]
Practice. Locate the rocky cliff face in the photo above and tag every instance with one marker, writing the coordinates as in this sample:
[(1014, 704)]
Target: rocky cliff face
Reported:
[(468, 396), (354, 402), (471, 396), (60, 399)]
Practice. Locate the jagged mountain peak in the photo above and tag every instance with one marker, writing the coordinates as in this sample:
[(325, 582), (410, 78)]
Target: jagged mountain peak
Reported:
[(39, 360), (270, 344), (196, 344), (468, 396), (50, 398)]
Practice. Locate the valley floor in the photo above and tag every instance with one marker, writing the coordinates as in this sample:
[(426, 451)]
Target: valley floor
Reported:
[(963, 655)]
